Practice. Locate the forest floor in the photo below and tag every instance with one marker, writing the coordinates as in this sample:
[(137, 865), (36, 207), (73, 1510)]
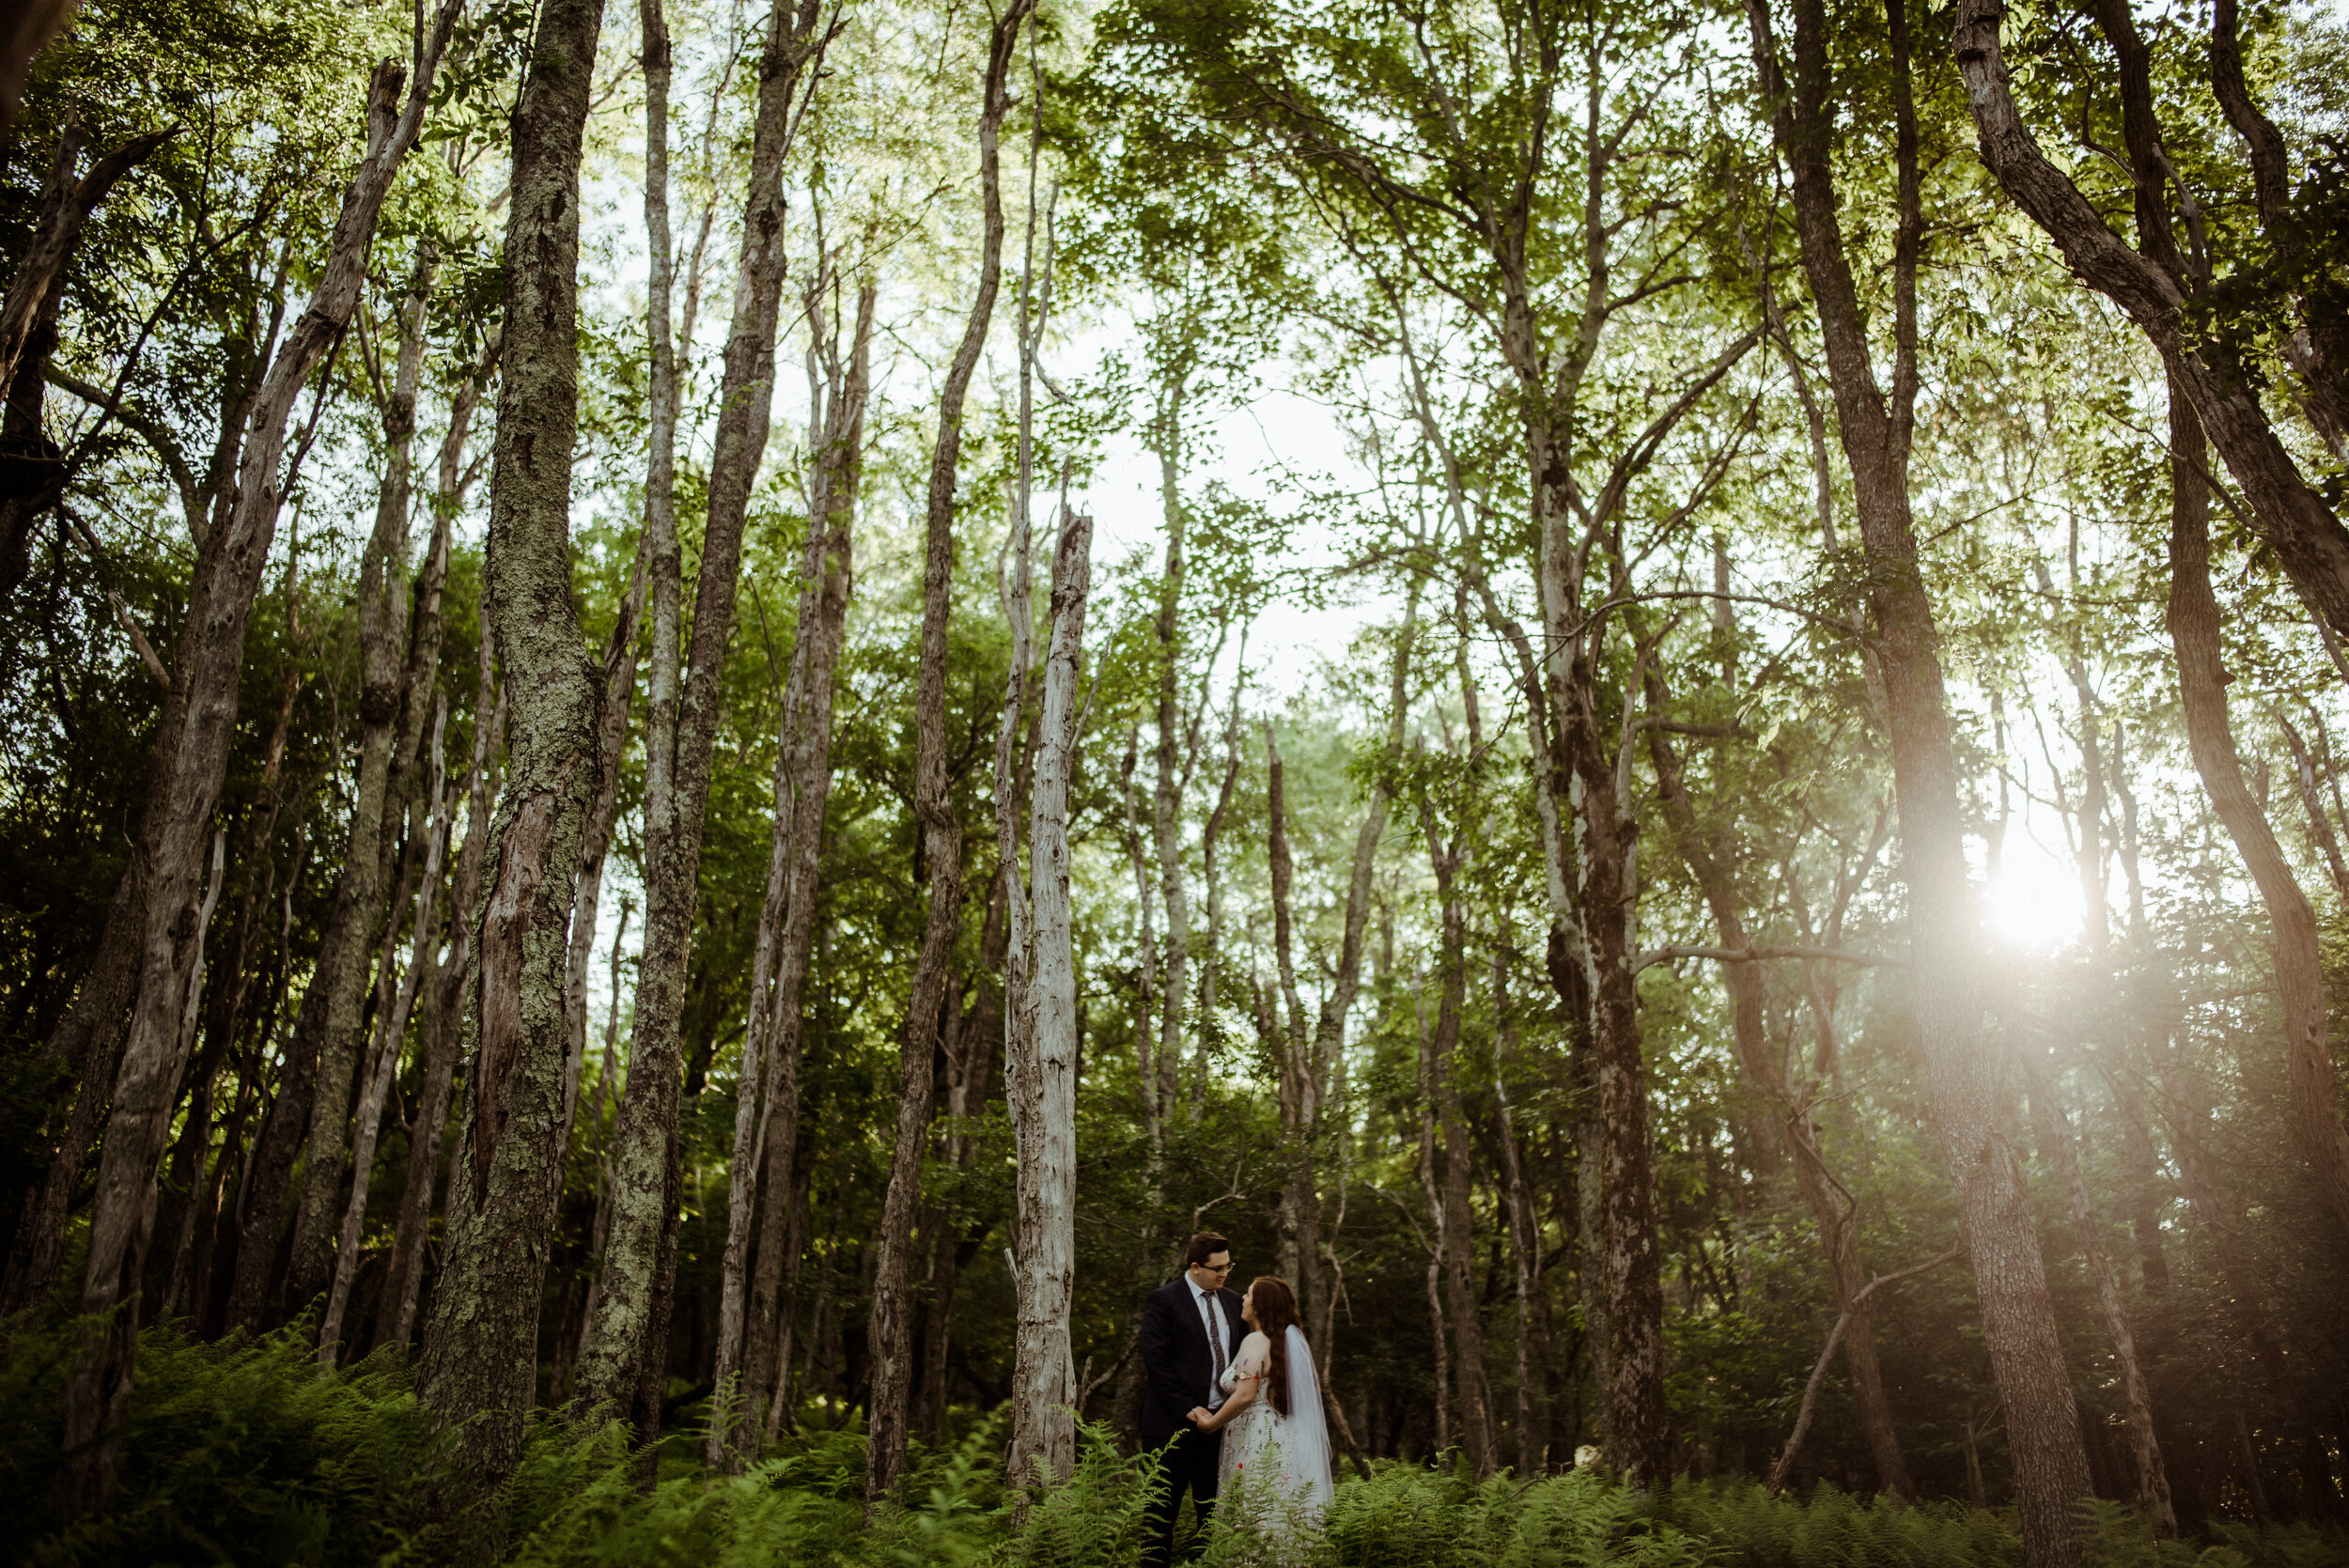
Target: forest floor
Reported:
[(248, 1453)]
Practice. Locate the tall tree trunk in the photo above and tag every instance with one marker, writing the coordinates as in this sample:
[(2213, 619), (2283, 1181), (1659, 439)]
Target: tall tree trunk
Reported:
[(889, 1338), (1457, 1241), (1042, 1082), (2156, 287), (1431, 1195), (619, 691), (622, 1361), (361, 902), (1166, 799), (1306, 1065), (190, 758), (2054, 1129), (392, 1005), (2018, 1317), (1535, 1346), (262, 1198), (607, 1086), (2194, 632), (970, 1071), (1147, 1078), (1838, 1238), (85, 1047), (767, 1117), (444, 991), (476, 1373)]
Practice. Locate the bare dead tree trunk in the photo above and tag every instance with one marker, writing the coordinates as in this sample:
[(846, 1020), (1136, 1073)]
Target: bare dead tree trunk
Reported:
[(190, 758), (890, 1334), (1044, 1042), (2018, 1318), (623, 1361), (476, 1371), (2194, 634)]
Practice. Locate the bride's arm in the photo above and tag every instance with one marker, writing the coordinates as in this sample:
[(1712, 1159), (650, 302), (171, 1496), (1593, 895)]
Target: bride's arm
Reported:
[(1247, 1381)]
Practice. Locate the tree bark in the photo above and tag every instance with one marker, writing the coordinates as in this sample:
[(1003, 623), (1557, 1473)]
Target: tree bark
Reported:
[(2054, 1129), (621, 1362), (2156, 291), (477, 1367), (1166, 799), (445, 990), (1457, 1243), (1042, 1081), (2018, 1318), (938, 862), (767, 1117), (1536, 1341), (190, 759), (1431, 1194), (2195, 634), (361, 903), (393, 1007)]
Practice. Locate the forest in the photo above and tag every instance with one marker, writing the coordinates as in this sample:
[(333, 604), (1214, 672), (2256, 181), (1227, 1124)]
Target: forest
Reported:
[(711, 712)]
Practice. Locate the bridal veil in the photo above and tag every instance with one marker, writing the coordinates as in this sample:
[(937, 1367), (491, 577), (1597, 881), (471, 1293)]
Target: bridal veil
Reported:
[(1308, 1435)]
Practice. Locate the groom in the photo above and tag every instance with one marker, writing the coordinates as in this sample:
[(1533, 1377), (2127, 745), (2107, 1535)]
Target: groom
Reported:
[(1190, 1329)]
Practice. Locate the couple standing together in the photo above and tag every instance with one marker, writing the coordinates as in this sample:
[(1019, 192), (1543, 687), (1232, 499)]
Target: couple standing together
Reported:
[(1231, 1399)]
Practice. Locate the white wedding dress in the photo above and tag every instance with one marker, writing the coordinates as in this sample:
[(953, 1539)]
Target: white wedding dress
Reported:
[(1275, 1473)]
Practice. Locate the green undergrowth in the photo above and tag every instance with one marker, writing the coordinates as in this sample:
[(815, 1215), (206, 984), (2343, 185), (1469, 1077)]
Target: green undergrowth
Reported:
[(245, 1452)]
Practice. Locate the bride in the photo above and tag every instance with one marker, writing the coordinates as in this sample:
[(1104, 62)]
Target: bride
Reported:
[(1276, 1454)]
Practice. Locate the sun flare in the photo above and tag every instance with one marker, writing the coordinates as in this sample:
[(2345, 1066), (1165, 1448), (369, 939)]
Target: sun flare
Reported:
[(2034, 903)]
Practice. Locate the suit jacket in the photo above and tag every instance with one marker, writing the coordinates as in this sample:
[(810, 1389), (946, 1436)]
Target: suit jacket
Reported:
[(1177, 1362)]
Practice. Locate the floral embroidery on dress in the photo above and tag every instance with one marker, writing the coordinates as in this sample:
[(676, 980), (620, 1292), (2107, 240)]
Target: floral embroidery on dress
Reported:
[(1259, 1483)]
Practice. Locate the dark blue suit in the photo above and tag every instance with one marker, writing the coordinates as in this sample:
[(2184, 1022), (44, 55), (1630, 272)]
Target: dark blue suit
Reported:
[(1177, 1367)]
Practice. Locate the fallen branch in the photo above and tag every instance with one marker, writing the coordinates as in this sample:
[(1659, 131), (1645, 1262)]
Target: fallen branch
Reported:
[(1835, 1337)]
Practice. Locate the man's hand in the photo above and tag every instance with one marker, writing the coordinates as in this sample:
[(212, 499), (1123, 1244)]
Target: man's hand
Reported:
[(1200, 1416)]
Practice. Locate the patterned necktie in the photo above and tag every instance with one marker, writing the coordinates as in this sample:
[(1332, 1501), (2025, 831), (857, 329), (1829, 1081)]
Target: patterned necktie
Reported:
[(1215, 1345)]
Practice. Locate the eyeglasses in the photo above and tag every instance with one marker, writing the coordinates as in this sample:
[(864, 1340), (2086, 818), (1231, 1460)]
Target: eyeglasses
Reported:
[(1212, 1268)]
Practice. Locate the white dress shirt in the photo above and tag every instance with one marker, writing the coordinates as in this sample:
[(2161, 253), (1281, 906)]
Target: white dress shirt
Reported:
[(1219, 1353)]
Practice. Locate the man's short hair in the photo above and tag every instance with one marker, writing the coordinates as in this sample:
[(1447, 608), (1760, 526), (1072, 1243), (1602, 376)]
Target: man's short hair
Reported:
[(1205, 1245)]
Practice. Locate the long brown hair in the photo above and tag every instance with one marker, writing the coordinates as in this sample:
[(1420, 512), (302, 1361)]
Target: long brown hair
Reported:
[(1276, 1314)]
